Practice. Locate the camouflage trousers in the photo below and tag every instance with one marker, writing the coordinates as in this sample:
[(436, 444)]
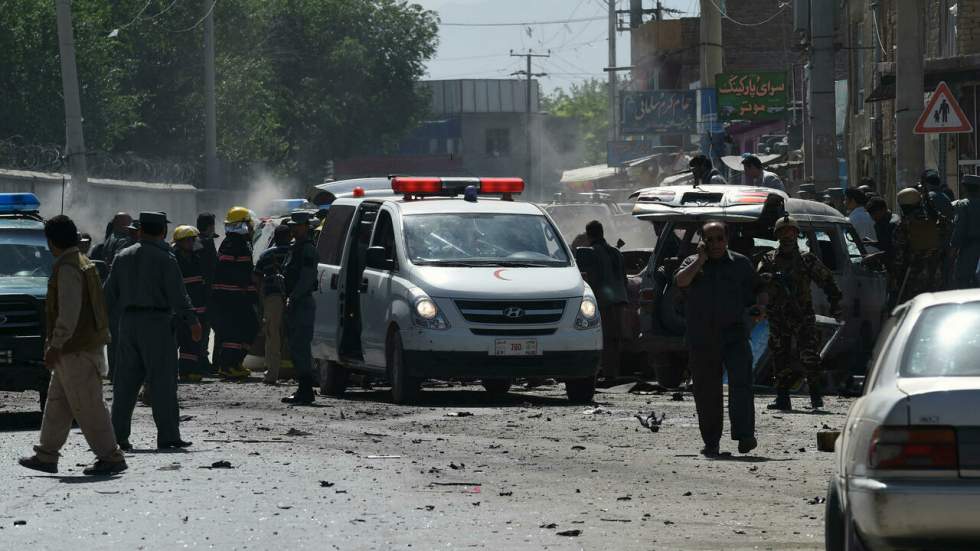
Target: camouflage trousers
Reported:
[(782, 333)]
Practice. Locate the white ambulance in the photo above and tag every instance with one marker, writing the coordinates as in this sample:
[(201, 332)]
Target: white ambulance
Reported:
[(450, 278)]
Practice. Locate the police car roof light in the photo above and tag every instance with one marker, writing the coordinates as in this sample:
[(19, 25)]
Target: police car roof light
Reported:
[(416, 185), (11, 203), (501, 185), (358, 191)]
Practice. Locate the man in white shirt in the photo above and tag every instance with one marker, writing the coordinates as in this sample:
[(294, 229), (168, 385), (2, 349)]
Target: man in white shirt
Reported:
[(754, 175), (855, 201)]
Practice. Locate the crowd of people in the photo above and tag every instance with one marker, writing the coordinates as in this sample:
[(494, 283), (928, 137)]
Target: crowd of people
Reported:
[(153, 305)]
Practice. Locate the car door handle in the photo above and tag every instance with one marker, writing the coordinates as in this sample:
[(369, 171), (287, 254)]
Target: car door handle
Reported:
[(364, 285), (333, 282)]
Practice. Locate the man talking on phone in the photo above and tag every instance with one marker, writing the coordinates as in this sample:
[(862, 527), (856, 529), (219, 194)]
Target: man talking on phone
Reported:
[(721, 289)]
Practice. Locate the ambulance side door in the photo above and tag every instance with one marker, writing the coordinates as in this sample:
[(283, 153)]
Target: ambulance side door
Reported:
[(376, 292), (330, 247)]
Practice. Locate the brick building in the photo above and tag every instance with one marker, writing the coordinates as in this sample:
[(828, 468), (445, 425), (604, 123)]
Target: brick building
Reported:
[(952, 50), (757, 35)]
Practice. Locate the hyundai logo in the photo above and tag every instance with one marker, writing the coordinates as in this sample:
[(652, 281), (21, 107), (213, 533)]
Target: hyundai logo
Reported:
[(514, 312)]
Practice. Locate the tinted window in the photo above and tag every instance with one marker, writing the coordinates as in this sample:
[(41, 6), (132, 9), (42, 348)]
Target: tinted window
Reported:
[(828, 252), (945, 342), (384, 235), (331, 243)]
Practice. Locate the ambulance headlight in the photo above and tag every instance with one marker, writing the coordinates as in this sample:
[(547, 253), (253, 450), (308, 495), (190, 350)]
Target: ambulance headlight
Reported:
[(426, 309), (427, 314), (588, 314)]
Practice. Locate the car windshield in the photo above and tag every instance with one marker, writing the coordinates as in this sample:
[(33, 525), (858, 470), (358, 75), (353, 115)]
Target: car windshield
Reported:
[(483, 240), (945, 342), (24, 256)]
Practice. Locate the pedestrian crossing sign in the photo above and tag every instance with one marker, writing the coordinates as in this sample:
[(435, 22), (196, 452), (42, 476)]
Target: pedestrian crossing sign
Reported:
[(943, 114)]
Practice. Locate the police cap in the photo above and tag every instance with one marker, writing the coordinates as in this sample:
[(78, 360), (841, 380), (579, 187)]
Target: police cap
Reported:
[(299, 218), (149, 217), (971, 181)]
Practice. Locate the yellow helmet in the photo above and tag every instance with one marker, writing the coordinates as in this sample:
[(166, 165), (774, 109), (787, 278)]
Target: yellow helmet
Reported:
[(238, 214), (183, 232)]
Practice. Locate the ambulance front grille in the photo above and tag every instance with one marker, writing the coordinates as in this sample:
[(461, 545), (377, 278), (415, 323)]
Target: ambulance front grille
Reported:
[(512, 312)]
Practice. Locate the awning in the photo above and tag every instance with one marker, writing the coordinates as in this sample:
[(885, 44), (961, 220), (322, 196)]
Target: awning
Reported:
[(587, 174), (734, 162), (960, 68)]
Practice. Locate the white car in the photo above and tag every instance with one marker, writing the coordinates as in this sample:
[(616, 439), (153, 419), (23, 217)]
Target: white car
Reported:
[(423, 284), (907, 466)]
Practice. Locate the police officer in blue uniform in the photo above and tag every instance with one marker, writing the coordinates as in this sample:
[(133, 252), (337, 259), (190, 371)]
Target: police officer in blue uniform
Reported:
[(300, 282)]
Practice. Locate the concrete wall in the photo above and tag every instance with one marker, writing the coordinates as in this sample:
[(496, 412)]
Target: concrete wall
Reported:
[(103, 198)]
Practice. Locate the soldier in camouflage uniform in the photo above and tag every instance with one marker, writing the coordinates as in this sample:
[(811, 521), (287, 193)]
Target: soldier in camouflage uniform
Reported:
[(788, 273), (920, 244)]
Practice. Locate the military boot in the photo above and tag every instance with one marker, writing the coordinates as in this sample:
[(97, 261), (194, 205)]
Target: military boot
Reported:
[(782, 402), (816, 400)]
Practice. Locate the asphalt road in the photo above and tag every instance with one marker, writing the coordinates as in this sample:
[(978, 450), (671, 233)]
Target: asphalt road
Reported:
[(458, 471)]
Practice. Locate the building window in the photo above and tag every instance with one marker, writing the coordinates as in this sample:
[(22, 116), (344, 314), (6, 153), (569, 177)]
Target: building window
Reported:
[(498, 142)]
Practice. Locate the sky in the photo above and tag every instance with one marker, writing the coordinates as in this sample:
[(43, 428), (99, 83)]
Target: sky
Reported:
[(579, 49)]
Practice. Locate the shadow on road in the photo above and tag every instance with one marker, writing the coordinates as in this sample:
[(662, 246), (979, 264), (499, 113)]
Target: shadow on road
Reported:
[(461, 398), (14, 421)]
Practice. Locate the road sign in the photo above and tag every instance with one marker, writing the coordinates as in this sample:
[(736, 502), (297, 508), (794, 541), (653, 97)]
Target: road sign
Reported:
[(943, 114)]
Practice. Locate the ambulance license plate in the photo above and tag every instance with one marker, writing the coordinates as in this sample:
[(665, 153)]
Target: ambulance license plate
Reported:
[(516, 347)]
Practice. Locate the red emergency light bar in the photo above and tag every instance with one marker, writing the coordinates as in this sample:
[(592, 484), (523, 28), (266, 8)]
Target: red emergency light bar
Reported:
[(419, 185)]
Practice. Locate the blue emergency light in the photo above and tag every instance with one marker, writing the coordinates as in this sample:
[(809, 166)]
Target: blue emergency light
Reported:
[(13, 203)]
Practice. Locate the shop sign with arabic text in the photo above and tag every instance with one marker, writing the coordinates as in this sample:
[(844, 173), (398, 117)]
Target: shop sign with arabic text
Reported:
[(751, 95), (659, 112)]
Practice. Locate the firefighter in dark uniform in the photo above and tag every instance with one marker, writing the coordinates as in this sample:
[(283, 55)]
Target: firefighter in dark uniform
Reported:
[(209, 259), (300, 282), (146, 289), (921, 241), (788, 273), (234, 296), (966, 235), (190, 351)]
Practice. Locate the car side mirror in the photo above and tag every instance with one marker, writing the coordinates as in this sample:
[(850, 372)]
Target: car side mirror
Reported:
[(587, 260), (377, 259)]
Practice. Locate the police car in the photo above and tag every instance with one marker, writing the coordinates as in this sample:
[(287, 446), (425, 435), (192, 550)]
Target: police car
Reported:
[(24, 276), (677, 213), (450, 278)]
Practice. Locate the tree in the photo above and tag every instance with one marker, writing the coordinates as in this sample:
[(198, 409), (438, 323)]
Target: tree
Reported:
[(299, 82), (588, 103)]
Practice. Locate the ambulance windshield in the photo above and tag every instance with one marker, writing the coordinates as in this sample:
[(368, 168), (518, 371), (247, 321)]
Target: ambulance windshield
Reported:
[(515, 240)]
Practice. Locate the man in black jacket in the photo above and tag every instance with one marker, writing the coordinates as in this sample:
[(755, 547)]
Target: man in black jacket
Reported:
[(608, 281)]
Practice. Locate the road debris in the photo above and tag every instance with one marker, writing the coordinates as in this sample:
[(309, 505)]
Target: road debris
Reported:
[(456, 467), (578, 448), (615, 520), (550, 526), (596, 411), (459, 414), (569, 533), (170, 467), (297, 432), (383, 457), (222, 464), (677, 397), (817, 500), (826, 439), (506, 494), (20, 523), (326, 484), (651, 421)]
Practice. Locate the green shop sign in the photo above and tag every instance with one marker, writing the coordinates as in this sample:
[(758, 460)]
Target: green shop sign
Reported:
[(751, 95)]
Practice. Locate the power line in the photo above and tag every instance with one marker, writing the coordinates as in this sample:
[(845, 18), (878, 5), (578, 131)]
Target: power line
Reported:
[(524, 23), (724, 13), (199, 21)]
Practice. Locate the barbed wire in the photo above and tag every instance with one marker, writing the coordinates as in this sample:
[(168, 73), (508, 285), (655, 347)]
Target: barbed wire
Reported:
[(16, 154)]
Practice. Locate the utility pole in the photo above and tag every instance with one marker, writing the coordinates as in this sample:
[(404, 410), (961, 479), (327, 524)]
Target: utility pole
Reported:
[(909, 88), (529, 162), (211, 123), (823, 106), (75, 146), (613, 118), (711, 64)]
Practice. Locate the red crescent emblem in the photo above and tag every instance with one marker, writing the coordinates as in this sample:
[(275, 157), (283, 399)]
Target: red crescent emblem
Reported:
[(496, 274)]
